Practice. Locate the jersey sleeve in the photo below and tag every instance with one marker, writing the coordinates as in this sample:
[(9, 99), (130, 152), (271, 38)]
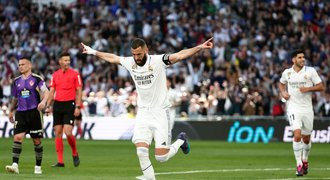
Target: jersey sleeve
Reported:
[(52, 81), (315, 77), (13, 89), (78, 81), (41, 84), (284, 77), (126, 62)]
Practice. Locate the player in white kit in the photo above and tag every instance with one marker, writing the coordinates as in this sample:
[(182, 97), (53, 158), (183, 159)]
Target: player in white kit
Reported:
[(296, 86), (153, 118)]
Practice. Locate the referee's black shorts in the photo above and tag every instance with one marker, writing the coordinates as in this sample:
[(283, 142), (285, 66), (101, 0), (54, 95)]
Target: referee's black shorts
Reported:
[(63, 112), (30, 122), (78, 118)]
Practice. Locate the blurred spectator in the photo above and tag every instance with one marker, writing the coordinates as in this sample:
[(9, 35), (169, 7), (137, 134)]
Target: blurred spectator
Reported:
[(102, 104), (325, 107), (117, 106), (174, 100), (6, 90), (249, 106), (91, 104), (278, 107)]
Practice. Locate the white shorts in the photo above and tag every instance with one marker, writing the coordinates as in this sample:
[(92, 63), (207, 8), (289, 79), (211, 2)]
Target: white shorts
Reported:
[(303, 121), (153, 124)]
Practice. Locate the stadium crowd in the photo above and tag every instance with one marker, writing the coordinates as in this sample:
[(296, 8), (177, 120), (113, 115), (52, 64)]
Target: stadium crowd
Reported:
[(239, 76)]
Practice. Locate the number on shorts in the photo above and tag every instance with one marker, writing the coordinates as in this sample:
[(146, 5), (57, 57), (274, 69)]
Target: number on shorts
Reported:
[(291, 118)]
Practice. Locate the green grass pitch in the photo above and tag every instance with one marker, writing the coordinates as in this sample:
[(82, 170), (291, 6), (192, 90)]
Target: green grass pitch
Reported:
[(207, 160)]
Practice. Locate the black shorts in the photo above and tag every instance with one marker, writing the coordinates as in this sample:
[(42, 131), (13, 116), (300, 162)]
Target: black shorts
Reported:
[(30, 122), (63, 113), (78, 118)]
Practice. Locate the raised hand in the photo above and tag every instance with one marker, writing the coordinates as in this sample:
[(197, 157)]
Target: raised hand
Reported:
[(87, 49), (207, 44)]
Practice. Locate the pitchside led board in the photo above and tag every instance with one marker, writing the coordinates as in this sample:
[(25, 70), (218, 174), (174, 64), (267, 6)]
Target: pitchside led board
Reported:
[(252, 131), (233, 131)]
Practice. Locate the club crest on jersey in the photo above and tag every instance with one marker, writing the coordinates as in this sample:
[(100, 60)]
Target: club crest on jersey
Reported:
[(289, 74), (150, 68), (134, 66), (31, 83), (305, 77)]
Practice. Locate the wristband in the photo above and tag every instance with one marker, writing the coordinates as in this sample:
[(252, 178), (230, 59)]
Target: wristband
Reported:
[(78, 107)]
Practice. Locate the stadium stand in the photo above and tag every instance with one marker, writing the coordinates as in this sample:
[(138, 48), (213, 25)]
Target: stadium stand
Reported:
[(253, 40)]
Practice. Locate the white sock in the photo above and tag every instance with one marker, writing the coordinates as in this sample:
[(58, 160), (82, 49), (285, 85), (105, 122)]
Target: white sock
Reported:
[(172, 151), (305, 150), (297, 150), (145, 163), (174, 148)]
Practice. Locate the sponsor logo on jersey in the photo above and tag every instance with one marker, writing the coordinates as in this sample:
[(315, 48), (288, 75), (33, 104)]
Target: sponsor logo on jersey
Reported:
[(143, 79)]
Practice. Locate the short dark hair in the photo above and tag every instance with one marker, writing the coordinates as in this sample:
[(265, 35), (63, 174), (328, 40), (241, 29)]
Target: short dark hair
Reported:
[(296, 52), (64, 54), (138, 43), (23, 57)]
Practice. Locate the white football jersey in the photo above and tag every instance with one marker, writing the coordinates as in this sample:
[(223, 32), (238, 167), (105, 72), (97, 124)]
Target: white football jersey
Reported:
[(150, 81), (306, 77)]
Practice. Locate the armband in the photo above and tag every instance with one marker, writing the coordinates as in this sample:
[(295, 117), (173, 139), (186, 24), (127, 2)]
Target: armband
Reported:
[(166, 59)]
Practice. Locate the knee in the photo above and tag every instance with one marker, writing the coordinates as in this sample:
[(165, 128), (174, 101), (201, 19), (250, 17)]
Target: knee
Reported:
[(19, 137), (162, 158), (68, 132), (36, 141), (142, 152), (306, 139), (297, 138)]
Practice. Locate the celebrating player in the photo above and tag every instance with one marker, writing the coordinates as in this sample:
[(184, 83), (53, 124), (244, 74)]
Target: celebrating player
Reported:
[(152, 119), (296, 86)]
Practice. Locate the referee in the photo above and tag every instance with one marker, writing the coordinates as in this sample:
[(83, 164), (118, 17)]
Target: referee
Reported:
[(66, 91), (30, 95)]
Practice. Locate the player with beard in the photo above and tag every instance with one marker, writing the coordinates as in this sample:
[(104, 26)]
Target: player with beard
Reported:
[(153, 118)]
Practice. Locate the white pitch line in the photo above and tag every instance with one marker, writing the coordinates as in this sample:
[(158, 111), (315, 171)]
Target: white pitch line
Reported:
[(236, 170), (298, 178)]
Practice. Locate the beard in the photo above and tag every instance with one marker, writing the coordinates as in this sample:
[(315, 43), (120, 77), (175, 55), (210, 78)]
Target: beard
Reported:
[(142, 62)]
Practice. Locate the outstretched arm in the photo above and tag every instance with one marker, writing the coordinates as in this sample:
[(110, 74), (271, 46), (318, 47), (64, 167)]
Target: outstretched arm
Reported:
[(183, 54), (112, 58)]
